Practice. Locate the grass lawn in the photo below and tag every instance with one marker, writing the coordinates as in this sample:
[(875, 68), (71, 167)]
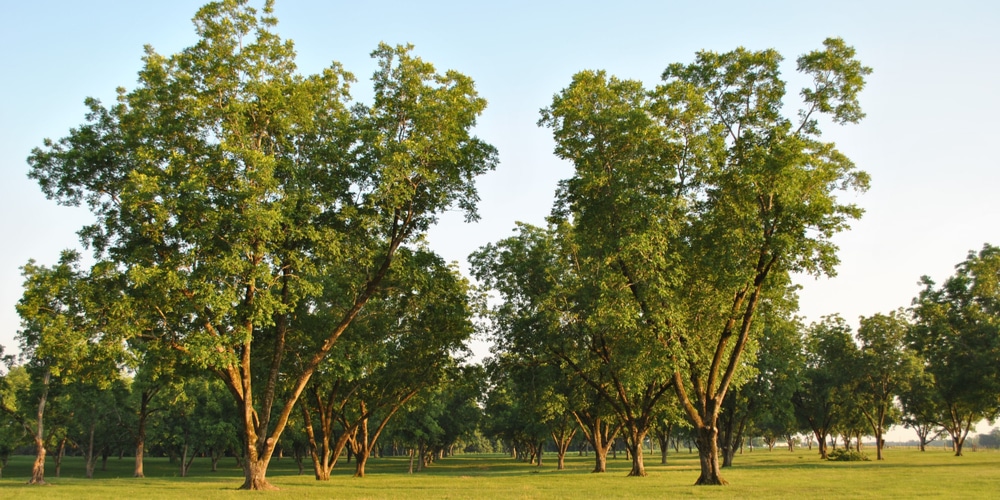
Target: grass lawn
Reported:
[(905, 473)]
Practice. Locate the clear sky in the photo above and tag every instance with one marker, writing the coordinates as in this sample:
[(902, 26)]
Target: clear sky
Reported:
[(927, 141)]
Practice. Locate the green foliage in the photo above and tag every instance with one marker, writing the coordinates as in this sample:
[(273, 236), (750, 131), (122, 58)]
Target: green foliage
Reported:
[(956, 331), (689, 206), (234, 194), (846, 455)]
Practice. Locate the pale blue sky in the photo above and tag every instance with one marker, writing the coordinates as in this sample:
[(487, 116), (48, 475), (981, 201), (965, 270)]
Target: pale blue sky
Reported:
[(928, 140)]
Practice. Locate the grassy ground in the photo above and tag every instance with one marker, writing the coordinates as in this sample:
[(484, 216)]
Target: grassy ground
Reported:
[(778, 474)]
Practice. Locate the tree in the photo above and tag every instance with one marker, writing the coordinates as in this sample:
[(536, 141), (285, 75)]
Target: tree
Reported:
[(764, 403), (556, 313), (13, 431), (403, 343), (886, 368), (229, 188), (64, 341), (921, 408), (199, 421), (957, 333), (829, 351), (690, 202)]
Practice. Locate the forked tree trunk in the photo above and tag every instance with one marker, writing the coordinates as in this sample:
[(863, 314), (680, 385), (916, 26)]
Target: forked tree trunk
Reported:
[(601, 437), (708, 456), (562, 439), (184, 460), (821, 444), (634, 445)]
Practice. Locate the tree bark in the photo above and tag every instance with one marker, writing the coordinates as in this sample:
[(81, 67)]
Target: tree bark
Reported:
[(634, 445), (91, 457), (60, 454), (708, 456), (821, 444), (38, 468), (663, 439), (601, 437), (562, 439), (140, 434)]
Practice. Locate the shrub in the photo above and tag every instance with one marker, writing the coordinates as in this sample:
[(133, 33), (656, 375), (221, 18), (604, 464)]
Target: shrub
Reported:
[(842, 455)]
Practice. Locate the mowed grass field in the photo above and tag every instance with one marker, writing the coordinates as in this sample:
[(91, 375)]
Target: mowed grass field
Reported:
[(906, 473)]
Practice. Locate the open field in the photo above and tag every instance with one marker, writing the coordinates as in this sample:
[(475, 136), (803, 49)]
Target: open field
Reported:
[(778, 474)]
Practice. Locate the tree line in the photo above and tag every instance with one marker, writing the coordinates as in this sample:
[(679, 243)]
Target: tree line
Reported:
[(261, 284), (931, 367)]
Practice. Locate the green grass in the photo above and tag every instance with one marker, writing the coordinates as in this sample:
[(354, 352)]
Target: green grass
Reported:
[(778, 474)]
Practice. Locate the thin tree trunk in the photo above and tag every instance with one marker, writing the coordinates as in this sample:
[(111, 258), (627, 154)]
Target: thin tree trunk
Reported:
[(60, 454), (38, 468), (90, 462)]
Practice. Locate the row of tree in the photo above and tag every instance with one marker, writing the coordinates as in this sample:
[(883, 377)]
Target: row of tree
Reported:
[(192, 416), (263, 227), (933, 368)]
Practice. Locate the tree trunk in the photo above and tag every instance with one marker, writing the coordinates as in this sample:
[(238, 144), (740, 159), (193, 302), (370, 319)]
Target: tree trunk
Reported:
[(60, 454), (255, 460), (360, 462), (708, 456), (255, 476), (38, 469), (821, 444), (562, 440), (140, 448), (663, 439), (91, 457), (634, 445)]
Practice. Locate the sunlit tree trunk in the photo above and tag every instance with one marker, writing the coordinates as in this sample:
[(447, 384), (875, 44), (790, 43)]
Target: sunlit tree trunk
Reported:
[(38, 468)]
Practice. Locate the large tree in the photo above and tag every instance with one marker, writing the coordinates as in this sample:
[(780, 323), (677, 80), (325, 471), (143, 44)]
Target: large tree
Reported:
[(229, 187), (957, 333), (692, 200)]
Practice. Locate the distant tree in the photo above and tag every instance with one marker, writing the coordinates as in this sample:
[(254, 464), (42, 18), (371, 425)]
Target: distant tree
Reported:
[(65, 340), (887, 366), (199, 421), (96, 418), (14, 432), (829, 353), (763, 404), (991, 440), (921, 408), (957, 334)]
